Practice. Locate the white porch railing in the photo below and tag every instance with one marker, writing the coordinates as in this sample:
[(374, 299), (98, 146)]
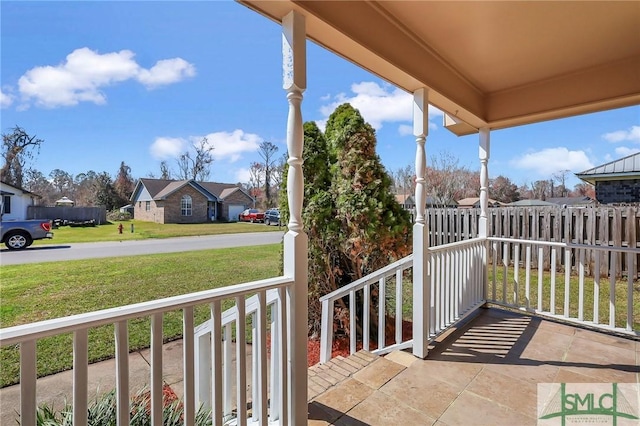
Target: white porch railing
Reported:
[(568, 282), (26, 336), (457, 289), (205, 366)]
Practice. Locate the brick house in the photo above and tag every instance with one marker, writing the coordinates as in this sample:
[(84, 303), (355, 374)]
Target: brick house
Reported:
[(187, 201), (616, 182)]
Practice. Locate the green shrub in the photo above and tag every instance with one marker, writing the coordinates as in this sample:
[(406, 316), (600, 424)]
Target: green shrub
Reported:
[(102, 412), (118, 216)]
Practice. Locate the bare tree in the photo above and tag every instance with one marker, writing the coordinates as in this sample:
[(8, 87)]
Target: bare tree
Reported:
[(445, 179), (561, 178), (165, 171), (256, 177), (267, 153), (197, 164), (17, 148), (404, 180)]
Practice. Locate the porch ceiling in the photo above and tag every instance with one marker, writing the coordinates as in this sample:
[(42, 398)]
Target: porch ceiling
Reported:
[(488, 64)]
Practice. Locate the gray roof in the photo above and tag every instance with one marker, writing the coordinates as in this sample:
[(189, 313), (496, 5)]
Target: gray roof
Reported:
[(532, 203), (161, 188), (625, 167)]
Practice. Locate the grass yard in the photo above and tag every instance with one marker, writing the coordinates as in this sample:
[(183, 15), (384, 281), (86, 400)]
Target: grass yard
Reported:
[(37, 292), (144, 230), (516, 286)]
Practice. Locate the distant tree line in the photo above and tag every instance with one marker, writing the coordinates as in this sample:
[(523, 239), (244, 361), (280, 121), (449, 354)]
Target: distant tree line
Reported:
[(448, 182)]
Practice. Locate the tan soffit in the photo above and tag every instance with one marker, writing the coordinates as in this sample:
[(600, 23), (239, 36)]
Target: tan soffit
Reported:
[(487, 64)]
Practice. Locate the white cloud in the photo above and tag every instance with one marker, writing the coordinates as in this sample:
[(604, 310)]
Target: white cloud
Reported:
[(231, 146), (242, 175), (165, 148), (377, 104), (632, 134), (624, 151), (166, 71), (85, 73), (552, 160), (5, 99)]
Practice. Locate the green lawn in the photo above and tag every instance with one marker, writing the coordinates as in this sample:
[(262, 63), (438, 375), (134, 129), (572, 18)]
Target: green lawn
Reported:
[(36, 292), (144, 230)]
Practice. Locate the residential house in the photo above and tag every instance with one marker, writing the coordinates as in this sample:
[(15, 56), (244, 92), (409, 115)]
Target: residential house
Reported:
[(15, 201), (188, 201), (474, 202), (547, 63), (616, 182)]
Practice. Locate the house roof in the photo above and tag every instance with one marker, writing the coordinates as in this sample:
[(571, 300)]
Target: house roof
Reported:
[(24, 191), (571, 201), (532, 202), (160, 189), (475, 200), (486, 63), (624, 168)]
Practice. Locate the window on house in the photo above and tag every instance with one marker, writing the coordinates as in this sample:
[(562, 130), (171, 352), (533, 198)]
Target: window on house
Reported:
[(185, 205), (147, 205), (6, 204)]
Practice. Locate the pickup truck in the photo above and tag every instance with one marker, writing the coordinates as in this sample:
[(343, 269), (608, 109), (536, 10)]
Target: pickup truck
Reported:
[(20, 234)]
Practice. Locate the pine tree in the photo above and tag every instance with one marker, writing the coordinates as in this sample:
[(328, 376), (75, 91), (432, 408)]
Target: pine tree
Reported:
[(354, 224)]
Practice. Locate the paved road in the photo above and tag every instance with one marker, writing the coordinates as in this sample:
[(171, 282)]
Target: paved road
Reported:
[(56, 253)]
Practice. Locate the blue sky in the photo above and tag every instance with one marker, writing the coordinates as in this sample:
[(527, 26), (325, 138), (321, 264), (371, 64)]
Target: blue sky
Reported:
[(105, 82)]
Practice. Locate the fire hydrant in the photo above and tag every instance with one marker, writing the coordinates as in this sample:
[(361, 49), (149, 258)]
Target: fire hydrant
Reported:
[(120, 229)]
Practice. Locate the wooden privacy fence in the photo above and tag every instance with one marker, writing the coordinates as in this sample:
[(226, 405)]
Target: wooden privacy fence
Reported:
[(97, 214), (602, 226)]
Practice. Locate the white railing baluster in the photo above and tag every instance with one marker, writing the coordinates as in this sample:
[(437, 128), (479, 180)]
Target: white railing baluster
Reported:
[(122, 373), (156, 370), (516, 273), (366, 330), (552, 271), (612, 289), (217, 409), (189, 359), (433, 301), (227, 382), (596, 290), (505, 271), (567, 281), (581, 287), (283, 396), (527, 278), (28, 374), (255, 401), (495, 271), (274, 363), (241, 362), (540, 276), (631, 271), (352, 321), (399, 306), (382, 296), (326, 330), (261, 383), (80, 376)]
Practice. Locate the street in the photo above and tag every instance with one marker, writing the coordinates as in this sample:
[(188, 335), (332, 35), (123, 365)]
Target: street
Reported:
[(74, 251)]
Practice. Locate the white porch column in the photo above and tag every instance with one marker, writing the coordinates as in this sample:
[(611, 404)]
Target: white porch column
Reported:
[(421, 277), (484, 181), (295, 240)]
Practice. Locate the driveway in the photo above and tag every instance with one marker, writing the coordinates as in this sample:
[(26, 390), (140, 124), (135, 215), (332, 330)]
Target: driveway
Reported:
[(74, 251)]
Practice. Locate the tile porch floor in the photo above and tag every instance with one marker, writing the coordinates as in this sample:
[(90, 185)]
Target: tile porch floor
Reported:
[(485, 373)]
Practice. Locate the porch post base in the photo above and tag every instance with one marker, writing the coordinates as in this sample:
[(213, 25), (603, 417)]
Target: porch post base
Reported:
[(421, 291)]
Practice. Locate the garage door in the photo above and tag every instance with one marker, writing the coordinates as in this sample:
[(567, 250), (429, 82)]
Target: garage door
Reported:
[(234, 211)]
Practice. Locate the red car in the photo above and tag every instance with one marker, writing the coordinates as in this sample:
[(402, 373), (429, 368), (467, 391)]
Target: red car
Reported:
[(251, 215)]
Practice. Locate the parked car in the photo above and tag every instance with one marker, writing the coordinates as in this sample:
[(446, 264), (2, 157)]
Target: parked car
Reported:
[(251, 215), (272, 217)]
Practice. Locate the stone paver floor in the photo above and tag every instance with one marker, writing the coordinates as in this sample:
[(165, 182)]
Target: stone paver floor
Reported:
[(485, 373)]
